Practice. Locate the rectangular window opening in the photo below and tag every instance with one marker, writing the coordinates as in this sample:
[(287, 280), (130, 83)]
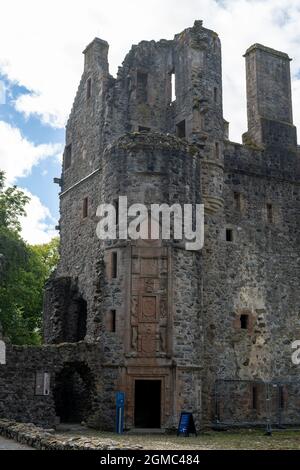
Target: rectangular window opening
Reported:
[(116, 206), (244, 320), (144, 129), (68, 156), (89, 88), (229, 235), (111, 321), (217, 150), (215, 94), (85, 207), (142, 87), (214, 44), (270, 215), (173, 87), (114, 265), (180, 129), (238, 200)]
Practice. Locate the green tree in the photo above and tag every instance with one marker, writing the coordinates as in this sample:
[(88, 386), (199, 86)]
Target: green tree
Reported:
[(24, 270)]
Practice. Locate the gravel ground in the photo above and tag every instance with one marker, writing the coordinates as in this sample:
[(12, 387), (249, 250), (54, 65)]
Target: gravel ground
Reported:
[(243, 439)]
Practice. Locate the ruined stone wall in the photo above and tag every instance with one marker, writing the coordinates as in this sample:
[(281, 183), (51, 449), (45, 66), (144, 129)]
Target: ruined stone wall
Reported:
[(21, 400), (257, 273)]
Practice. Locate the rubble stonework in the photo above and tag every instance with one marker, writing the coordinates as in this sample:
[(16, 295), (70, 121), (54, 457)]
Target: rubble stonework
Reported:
[(171, 320)]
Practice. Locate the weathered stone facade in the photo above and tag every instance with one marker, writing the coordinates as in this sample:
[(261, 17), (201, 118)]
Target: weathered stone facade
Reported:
[(163, 321)]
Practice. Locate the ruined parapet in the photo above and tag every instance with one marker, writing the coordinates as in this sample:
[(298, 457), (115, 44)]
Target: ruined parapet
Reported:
[(64, 312), (269, 98)]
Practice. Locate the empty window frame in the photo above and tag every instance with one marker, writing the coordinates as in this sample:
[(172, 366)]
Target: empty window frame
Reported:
[(142, 87), (111, 321), (114, 265), (270, 213), (181, 130), (229, 235), (215, 94), (68, 156), (89, 88), (217, 150), (144, 129), (244, 321), (237, 201), (173, 86), (85, 207), (116, 206)]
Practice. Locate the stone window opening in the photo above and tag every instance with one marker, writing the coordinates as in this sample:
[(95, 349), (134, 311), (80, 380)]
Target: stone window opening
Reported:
[(244, 321), (144, 129), (181, 130), (81, 320), (270, 214), (85, 208), (89, 88), (110, 325), (114, 265), (214, 44), (116, 206), (142, 87), (68, 157), (281, 397), (254, 397), (217, 150), (229, 235), (237, 200), (173, 86), (215, 94)]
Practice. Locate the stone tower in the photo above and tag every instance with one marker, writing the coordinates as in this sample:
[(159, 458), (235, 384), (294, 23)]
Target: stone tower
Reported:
[(269, 97), (169, 322)]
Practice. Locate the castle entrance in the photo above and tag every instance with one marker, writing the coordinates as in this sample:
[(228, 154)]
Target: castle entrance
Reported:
[(147, 404)]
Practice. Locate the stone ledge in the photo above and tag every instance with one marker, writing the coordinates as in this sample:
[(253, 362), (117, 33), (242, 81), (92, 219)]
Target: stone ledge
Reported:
[(42, 439)]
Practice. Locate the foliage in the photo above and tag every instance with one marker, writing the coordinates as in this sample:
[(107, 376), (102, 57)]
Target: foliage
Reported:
[(24, 270)]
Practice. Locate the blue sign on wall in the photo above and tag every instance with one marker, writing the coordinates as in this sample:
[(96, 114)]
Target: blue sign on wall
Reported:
[(120, 404), (186, 424)]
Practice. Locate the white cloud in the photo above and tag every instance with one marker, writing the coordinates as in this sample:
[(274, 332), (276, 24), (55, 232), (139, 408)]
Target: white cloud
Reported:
[(18, 155), (39, 225), (42, 50)]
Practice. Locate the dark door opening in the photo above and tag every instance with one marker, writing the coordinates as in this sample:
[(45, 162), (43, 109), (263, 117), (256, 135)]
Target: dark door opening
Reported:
[(147, 404), (73, 393)]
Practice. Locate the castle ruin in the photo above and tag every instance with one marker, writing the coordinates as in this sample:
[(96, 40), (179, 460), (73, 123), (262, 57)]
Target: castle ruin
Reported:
[(149, 317)]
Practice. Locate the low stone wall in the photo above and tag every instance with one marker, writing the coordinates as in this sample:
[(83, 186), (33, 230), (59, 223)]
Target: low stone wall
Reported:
[(43, 439)]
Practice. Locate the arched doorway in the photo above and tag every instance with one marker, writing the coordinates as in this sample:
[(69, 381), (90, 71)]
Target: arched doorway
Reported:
[(73, 393)]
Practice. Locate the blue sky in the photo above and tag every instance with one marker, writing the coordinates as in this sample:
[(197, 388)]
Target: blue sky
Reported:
[(40, 178), (41, 64)]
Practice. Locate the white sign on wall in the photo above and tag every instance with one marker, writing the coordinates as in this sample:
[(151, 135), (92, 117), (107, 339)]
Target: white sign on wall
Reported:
[(2, 352)]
